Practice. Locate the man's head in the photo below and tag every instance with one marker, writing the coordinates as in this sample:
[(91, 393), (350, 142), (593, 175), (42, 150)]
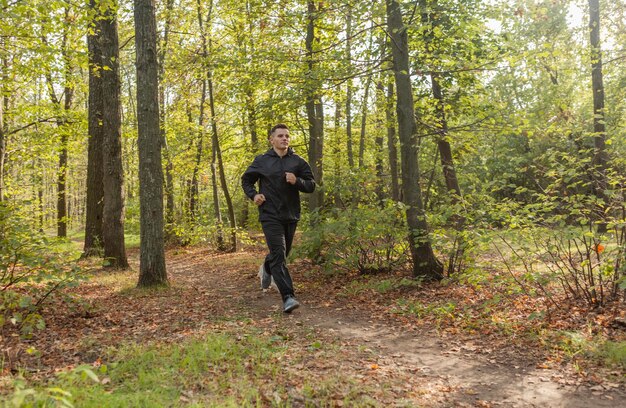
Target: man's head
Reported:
[(279, 138)]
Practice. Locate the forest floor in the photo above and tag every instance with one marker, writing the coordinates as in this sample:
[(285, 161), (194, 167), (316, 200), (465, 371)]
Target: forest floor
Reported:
[(344, 339)]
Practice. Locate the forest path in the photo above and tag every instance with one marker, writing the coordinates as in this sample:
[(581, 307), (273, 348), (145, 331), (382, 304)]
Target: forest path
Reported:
[(449, 371), (334, 343)]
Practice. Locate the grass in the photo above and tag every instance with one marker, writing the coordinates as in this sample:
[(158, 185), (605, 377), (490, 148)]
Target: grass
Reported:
[(613, 354), (218, 370), (242, 367)]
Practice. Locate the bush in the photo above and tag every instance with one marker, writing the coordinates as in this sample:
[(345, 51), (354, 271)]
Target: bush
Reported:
[(367, 238), (31, 271)]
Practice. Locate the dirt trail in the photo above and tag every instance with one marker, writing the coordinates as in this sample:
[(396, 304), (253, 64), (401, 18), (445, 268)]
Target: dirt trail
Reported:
[(470, 378), (409, 367)]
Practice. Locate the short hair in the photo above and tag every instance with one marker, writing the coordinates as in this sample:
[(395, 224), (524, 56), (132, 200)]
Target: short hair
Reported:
[(278, 126)]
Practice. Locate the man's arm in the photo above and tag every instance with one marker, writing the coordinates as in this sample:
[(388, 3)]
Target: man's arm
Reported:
[(305, 181), (249, 179)]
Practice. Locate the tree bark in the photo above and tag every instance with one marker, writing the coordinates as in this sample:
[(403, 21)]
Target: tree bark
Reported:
[(152, 252), (169, 167), (61, 121), (392, 141), (364, 121), (193, 185), (218, 154), (349, 89), (95, 193), (425, 264), (4, 104), (314, 109), (600, 157), (113, 175)]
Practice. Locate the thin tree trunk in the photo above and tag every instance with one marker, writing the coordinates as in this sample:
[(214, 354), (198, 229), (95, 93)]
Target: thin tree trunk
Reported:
[(364, 120), (425, 264), (600, 156), (314, 109), (152, 253), (193, 187), (379, 143), (113, 176), (218, 153), (449, 174), (169, 167), (61, 192), (68, 93), (447, 162), (4, 104), (368, 84), (95, 166), (392, 141), (349, 89)]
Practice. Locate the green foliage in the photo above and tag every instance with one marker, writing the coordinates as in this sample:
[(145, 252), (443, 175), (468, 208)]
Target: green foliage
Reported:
[(31, 271), (565, 265), (444, 311), (366, 238), (612, 353)]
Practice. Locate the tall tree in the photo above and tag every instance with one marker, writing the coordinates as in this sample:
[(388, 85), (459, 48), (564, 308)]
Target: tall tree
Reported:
[(169, 166), (425, 264), (63, 104), (392, 141), (113, 175), (95, 192), (152, 271), (433, 17), (314, 106), (4, 103), (215, 141), (349, 87), (599, 129)]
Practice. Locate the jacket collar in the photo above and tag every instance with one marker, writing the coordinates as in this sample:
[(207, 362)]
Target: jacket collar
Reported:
[(272, 152)]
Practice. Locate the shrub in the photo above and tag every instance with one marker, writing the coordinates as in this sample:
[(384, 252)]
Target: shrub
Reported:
[(31, 271), (367, 238)]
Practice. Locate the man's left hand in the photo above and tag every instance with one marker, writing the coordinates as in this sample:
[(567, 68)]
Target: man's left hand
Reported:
[(290, 177)]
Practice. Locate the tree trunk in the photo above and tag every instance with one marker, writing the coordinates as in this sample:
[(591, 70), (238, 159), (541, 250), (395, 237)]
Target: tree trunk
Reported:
[(169, 167), (95, 166), (218, 154), (252, 125), (349, 89), (600, 157), (364, 120), (193, 186), (113, 176), (425, 264), (152, 270), (315, 110), (449, 173), (68, 93), (445, 151), (392, 141), (379, 143), (4, 103)]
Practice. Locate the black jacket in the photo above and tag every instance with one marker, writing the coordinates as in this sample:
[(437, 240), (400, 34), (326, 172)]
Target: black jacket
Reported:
[(282, 200)]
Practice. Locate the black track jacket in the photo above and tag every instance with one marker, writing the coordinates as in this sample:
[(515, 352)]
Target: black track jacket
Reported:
[(282, 200)]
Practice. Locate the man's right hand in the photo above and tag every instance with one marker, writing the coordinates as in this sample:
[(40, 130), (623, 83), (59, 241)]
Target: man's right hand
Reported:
[(259, 199)]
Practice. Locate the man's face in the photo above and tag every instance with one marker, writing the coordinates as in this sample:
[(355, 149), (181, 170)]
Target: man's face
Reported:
[(280, 139)]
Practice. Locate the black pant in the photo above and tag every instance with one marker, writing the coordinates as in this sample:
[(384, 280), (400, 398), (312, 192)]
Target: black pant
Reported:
[(279, 237)]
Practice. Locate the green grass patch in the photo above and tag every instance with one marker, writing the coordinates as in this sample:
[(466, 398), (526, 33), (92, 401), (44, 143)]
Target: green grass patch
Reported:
[(439, 312), (613, 354), (118, 280), (242, 368), (218, 370)]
